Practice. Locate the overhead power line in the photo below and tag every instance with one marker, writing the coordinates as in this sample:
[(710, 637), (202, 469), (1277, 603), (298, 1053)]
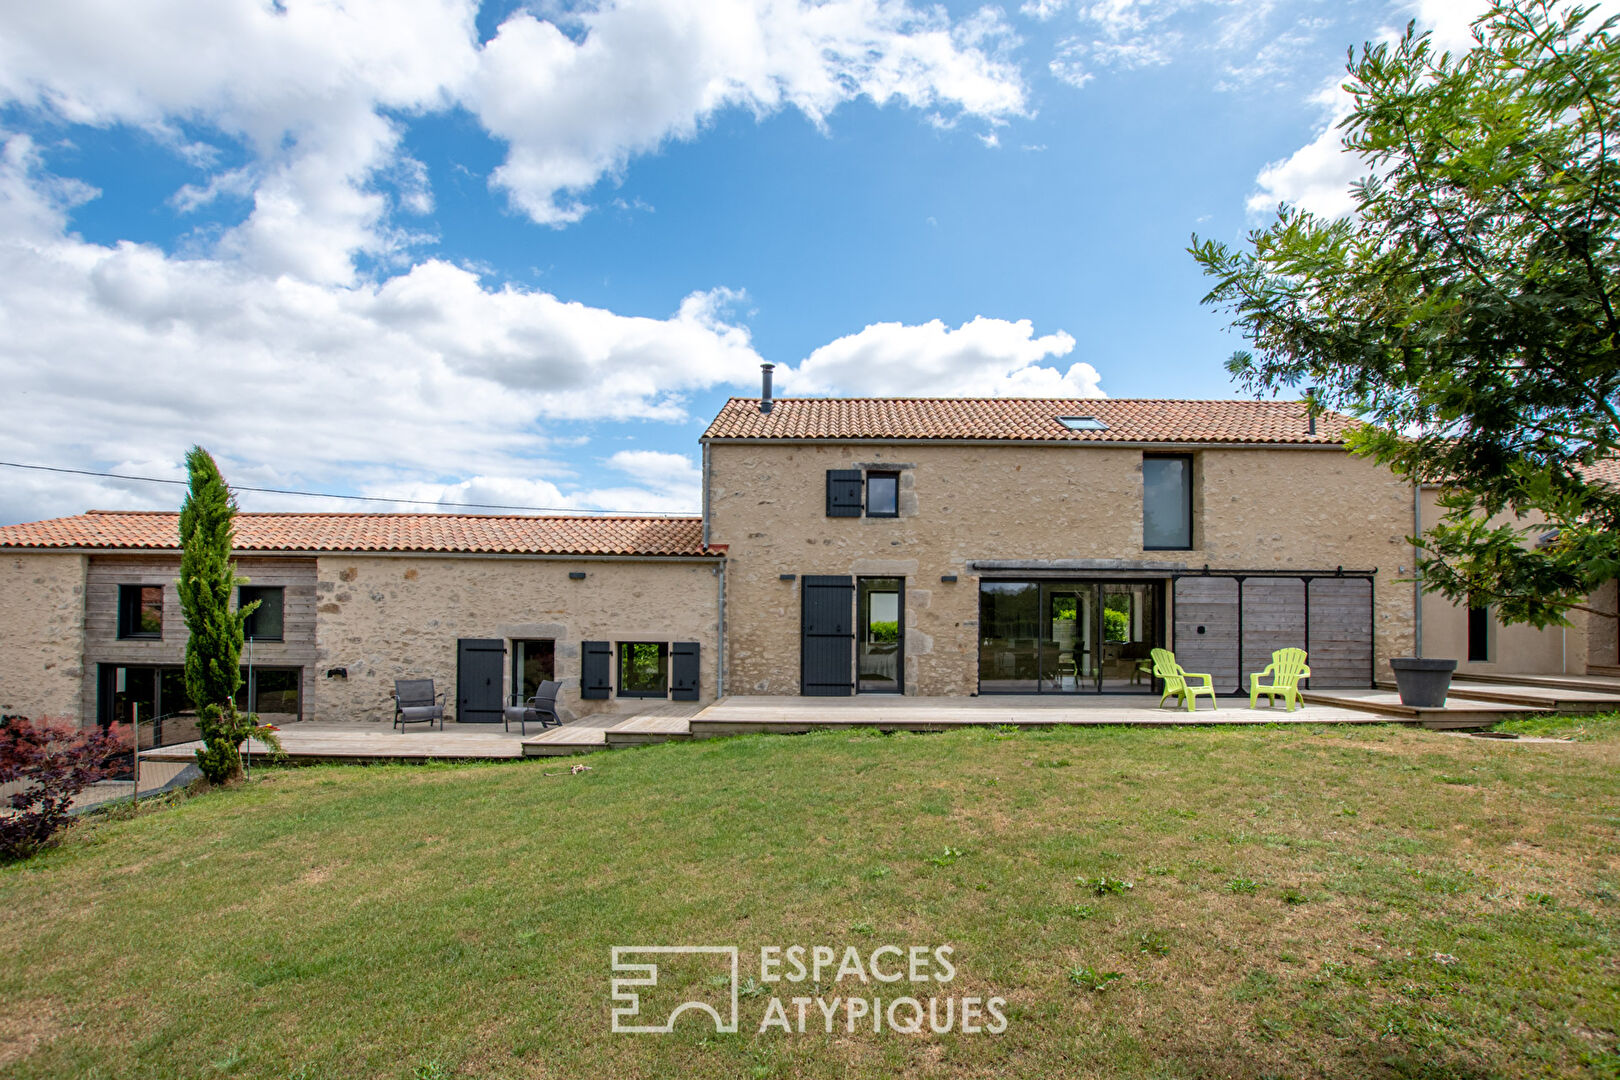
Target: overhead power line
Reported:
[(353, 498)]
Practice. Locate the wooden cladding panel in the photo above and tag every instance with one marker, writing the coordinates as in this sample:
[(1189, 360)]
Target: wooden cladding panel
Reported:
[(1341, 632), (1273, 618), (1206, 628)]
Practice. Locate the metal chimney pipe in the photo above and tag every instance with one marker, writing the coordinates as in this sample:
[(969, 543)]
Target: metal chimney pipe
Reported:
[(765, 403), (1310, 405)]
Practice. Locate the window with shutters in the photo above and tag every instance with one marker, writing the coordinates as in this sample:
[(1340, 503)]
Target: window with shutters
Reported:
[(643, 669), (882, 494), (533, 662)]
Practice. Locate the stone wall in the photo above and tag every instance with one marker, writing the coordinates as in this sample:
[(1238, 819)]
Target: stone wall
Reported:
[(1283, 508), (41, 634), (382, 618)]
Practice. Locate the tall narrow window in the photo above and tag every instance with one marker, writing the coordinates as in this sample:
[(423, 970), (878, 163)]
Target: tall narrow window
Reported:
[(140, 611), (533, 662), (882, 494), (264, 622), (1479, 633), (1167, 502)]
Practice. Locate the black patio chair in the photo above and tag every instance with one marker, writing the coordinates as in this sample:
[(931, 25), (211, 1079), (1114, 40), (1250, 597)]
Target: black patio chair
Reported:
[(414, 700), (540, 709)]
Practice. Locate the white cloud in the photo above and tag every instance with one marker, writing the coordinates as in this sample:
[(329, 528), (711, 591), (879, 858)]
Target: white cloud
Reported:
[(1317, 176), (982, 358), (304, 86), (314, 90), (125, 354), (635, 74), (1042, 10), (425, 385)]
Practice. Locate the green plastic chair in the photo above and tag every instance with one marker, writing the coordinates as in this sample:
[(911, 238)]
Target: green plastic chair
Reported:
[(1177, 684), (1287, 667)]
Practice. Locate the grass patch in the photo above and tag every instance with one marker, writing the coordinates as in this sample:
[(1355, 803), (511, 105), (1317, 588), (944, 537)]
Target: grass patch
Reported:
[(1578, 727), (1178, 903)]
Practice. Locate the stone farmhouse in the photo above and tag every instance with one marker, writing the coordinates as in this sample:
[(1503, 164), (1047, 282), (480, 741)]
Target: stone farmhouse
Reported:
[(924, 546)]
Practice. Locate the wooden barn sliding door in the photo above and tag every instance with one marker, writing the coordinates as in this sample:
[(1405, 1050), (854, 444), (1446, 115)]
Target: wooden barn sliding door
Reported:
[(1228, 625)]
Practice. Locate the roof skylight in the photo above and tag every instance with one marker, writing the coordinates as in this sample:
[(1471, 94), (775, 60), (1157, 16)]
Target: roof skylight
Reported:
[(1082, 423)]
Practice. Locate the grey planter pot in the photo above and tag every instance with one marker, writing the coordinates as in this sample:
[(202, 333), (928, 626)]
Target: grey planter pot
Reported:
[(1422, 682)]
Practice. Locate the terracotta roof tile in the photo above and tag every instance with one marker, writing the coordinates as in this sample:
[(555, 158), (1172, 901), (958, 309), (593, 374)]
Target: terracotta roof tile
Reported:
[(1032, 419), (377, 532), (1606, 471)]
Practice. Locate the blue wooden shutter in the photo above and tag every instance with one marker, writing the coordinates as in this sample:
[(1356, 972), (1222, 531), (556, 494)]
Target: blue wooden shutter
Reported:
[(596, 670), (843, 493), (683, 674)]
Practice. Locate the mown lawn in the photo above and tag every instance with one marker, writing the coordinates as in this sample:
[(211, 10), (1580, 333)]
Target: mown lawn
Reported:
[(1333, 902)]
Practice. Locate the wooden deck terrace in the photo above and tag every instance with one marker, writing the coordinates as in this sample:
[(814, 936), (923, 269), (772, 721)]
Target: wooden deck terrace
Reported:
[(1473, 704)]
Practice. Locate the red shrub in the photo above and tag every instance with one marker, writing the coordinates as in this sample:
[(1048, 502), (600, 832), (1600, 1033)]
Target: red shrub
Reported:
[(53, 761)]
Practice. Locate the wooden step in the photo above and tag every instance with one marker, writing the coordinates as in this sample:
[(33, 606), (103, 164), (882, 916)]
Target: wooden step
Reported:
[(1457, 713), (1587, 684), (647, 730)]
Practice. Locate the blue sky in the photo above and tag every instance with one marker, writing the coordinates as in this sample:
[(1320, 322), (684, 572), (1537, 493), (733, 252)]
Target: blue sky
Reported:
[(519, 254)]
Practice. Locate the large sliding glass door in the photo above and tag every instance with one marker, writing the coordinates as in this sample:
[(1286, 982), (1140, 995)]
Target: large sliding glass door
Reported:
[(1067, 637)]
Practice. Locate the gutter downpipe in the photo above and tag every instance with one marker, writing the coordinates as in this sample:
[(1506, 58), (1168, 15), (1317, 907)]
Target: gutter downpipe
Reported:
[(1417, 574), (704, 511), (720, 633)]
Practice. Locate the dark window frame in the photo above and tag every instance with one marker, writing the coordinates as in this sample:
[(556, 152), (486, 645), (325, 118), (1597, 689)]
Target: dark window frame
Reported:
[(618, 669), (1187, 502), (519, 648), (248, 694), (250, 624), (1479, 634), (863, 630), (881, 474), (131, 605)]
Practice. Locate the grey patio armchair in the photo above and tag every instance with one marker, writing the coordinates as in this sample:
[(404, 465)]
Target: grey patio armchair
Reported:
[(414, 701), (540, 709)]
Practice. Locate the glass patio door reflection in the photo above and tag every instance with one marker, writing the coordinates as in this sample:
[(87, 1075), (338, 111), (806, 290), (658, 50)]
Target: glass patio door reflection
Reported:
[(1129, 629), (1067, 637), (880, 628)]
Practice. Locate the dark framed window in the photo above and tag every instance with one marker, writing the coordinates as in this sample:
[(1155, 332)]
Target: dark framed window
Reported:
[(1167, 523), (270, 690), (533, 662), (882, 494), (140, 611), (264, 623), (1479, 633), (643, 669), (150, 693)]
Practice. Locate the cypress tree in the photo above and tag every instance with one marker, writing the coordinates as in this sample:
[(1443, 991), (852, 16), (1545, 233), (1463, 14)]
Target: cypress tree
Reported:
[(214, 645)]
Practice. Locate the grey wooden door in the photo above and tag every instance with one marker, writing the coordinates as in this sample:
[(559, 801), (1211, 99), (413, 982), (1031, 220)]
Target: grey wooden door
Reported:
[(480, 668), (1206, 628), (827, 638), (1273, 618), (1341, 632)]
